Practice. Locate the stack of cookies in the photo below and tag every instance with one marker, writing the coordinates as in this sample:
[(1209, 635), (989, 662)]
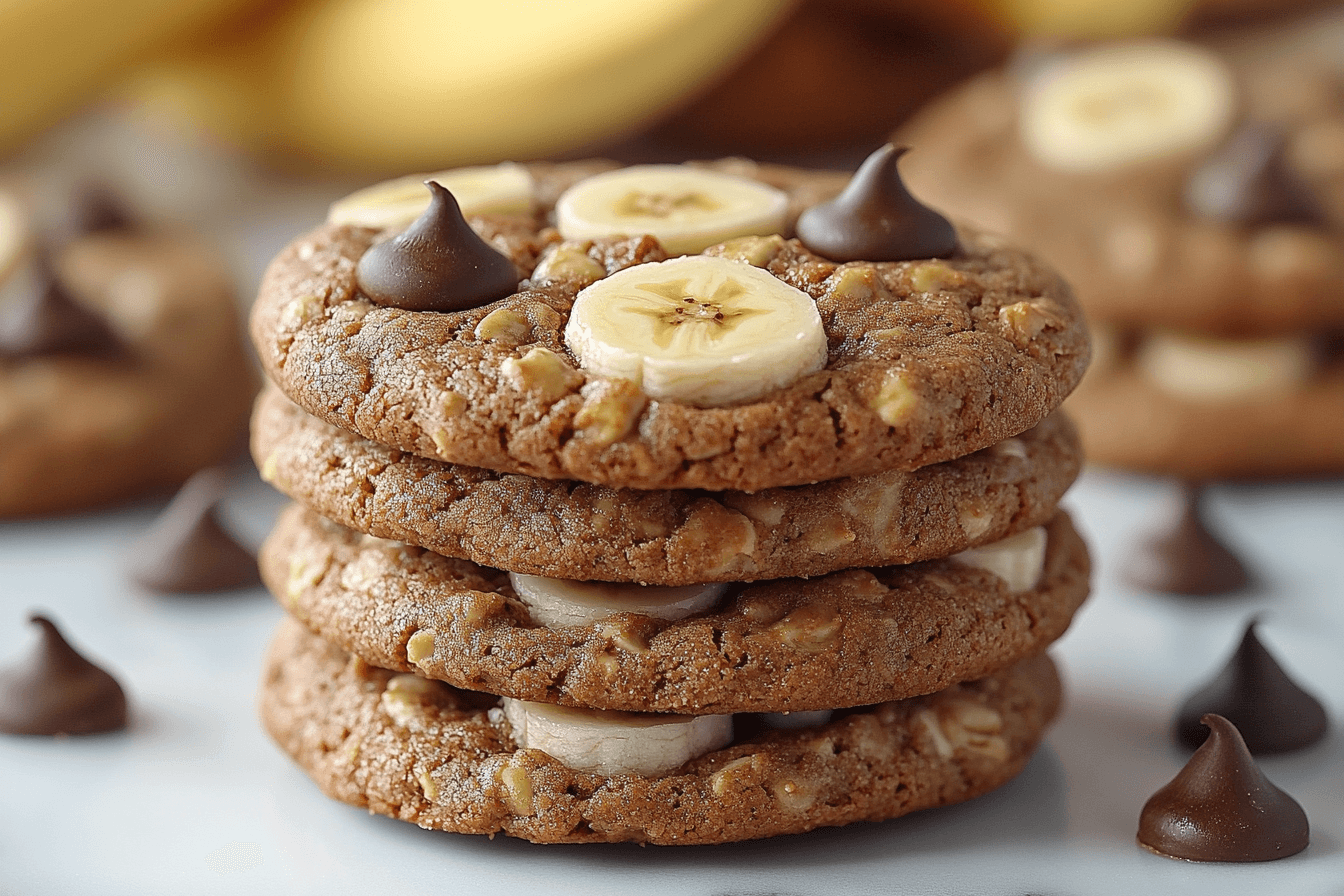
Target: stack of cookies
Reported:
[(668, 504)]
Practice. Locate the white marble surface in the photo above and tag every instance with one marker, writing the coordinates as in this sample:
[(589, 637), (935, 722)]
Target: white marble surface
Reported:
[(194, 799)]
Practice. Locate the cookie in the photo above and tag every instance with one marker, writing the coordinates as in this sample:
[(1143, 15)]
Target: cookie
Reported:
[(1155, 234), (1129, 421), (588, 532), (853, 637), (84, 428), (445, 761), (927, 361)]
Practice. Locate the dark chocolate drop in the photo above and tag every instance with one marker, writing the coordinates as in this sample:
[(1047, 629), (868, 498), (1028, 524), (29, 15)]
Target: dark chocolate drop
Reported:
[(876, 218), (436, 264), (1249, 182), (186, 550), (1253, 692), (98, 209), (1184, 557), (40, 318), (54, 690), (1222, 808)]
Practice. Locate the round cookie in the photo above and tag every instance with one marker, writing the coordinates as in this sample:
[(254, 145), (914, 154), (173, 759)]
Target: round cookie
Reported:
[(1123, 236), (80, 430), (1130, 422), (928, 360), (854, 637), (450, 763), (591, 532)]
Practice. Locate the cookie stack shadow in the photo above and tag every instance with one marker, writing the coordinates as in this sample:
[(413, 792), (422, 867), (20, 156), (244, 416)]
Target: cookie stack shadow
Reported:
[(850, 649)]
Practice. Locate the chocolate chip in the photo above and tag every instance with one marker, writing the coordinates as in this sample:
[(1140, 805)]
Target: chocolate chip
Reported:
[(437, 264), (876, 218), (1252, 691), (1249, 182), (186, 550), (98, 209), (54, 690), (1184, 557), (39, 317), (1222, 808)]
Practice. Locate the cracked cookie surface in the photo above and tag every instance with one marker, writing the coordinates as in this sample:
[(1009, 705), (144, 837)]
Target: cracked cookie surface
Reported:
[(854, 637), (928, 360), (591, 532), (444, 761)]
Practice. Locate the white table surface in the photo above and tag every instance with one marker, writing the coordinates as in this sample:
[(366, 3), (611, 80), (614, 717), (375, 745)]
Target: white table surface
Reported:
[(193, 798)]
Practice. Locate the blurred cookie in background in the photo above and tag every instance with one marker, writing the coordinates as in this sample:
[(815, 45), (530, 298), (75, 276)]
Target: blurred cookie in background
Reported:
[(837, 75), (122, 370), (1195, 200)]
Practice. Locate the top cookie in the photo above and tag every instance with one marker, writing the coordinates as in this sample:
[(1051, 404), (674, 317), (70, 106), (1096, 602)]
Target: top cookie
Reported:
[(926, 360), (1172, 185)]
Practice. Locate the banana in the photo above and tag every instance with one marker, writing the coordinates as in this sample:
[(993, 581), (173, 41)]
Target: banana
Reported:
[(1117, 105), (481, 190), (555, 602), (702, 330), (1018, 559), (1203, 369), (793, 720), (687, 209), (14, 236), (615, 743)]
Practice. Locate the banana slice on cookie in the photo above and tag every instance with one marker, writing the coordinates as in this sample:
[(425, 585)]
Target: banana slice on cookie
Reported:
[(1206, 370), (702, 330), (483, 190), (687, 209), (1106, 108), (555, 602), (1018, 559), (615, 743), (14, 235)]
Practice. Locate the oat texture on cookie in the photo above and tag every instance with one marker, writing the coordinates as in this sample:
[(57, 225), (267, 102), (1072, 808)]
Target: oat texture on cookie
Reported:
[(707, 528)]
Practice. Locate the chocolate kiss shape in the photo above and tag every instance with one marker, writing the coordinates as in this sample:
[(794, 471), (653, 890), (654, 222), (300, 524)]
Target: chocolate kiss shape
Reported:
[(876, 218), (54, 690), (1185, 557), (1249, 182), (186, 550), (1253, 692), (436, 264), (42, 319), (98, 209), (1222, 808)]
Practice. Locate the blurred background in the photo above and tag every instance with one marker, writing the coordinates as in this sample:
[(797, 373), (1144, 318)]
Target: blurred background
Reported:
[(243, 118)]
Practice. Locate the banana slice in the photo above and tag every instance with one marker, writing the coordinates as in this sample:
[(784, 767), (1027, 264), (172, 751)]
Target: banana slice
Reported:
[(687, 209), (485, 190), (1018, 559), (791, 721), (615, 743), (13, 234), (555, 602), (700, 329), (1110, 107), (1207, 370)]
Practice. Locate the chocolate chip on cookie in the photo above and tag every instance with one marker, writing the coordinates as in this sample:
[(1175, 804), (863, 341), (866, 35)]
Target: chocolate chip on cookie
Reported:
[(39, 317), (438, 263), (876, 218)]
